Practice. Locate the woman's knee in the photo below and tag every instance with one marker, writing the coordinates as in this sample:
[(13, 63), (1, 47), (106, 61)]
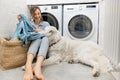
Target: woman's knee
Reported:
[(45, 39)]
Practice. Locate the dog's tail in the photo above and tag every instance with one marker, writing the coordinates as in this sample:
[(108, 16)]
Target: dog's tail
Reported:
[(106, 65), (116, 68)]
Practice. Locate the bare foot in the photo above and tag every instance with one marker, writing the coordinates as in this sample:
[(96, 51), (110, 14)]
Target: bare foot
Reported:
[(28, 74), (37, 72)]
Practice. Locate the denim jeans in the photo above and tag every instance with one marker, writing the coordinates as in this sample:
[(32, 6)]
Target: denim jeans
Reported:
[(39, 47)]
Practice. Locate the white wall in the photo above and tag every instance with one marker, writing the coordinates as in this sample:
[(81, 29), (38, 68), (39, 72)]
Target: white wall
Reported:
[(9, 9)]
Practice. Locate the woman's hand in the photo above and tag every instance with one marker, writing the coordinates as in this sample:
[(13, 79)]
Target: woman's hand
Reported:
[(37, 30), (19, 17)]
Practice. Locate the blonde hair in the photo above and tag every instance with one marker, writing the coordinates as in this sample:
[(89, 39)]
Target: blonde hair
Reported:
[(33, 9)]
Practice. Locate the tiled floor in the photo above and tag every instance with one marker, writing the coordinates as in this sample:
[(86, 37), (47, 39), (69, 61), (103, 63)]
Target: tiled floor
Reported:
[(63, 71)]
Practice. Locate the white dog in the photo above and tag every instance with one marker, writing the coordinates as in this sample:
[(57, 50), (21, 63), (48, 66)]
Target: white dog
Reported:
[(75, 51)]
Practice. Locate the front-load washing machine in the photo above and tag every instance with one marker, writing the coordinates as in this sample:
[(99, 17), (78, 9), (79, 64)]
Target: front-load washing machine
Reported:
[(80, 21), (53, 15)]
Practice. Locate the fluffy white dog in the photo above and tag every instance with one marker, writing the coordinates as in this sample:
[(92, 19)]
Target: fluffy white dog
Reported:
[(75, 51)]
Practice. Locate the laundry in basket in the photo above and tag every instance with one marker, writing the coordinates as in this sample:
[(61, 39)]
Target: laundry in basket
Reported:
[(12, 53)]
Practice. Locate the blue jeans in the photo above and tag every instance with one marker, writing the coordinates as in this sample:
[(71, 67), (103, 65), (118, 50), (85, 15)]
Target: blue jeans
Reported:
[(39, 46)]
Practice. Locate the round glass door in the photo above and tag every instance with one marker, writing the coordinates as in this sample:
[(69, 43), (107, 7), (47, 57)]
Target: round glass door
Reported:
[(80, 26), (51, 19)]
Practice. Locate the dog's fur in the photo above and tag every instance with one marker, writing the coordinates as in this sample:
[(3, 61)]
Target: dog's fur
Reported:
[(75, 51)]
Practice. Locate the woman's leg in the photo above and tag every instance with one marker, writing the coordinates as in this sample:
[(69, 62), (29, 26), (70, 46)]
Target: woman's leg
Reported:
[(31, 54), (28, 75), (37, 68), (40, 58)]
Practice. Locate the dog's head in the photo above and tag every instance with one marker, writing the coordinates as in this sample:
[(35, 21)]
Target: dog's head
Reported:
[(53, 34), (50, 30)]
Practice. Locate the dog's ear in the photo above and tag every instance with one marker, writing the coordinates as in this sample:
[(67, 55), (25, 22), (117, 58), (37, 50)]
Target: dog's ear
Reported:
[(52, 29)]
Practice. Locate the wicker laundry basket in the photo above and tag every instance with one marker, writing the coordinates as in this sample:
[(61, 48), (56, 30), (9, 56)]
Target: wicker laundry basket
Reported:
[(12, 54)]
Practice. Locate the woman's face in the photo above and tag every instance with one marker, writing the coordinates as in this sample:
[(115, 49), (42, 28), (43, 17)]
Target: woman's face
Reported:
[(37, 15)]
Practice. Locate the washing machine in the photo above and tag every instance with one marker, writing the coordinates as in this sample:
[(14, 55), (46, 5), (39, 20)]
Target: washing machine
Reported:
[(80, 21), (53, 15)]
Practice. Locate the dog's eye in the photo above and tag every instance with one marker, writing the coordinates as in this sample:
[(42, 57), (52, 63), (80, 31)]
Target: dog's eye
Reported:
[(50, 31)]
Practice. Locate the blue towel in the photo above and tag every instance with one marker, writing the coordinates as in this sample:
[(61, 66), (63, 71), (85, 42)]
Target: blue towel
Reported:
[(24, 31)]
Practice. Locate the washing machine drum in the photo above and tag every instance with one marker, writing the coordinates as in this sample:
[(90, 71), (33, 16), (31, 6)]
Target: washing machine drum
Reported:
[(80, 27), (51, 19)]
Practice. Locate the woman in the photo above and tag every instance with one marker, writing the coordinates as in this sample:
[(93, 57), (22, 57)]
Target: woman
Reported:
[(37, 48)]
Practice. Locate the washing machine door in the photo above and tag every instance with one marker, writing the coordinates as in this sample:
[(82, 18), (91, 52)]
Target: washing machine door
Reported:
[(80, 27), (51, 19)]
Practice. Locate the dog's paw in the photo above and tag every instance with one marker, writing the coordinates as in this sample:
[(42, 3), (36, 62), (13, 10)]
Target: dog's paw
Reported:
[(71, 61), (74, 60), (96, 73)]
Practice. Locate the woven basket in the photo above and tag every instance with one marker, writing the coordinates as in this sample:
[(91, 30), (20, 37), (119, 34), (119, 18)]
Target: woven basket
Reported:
[(12, 54)]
